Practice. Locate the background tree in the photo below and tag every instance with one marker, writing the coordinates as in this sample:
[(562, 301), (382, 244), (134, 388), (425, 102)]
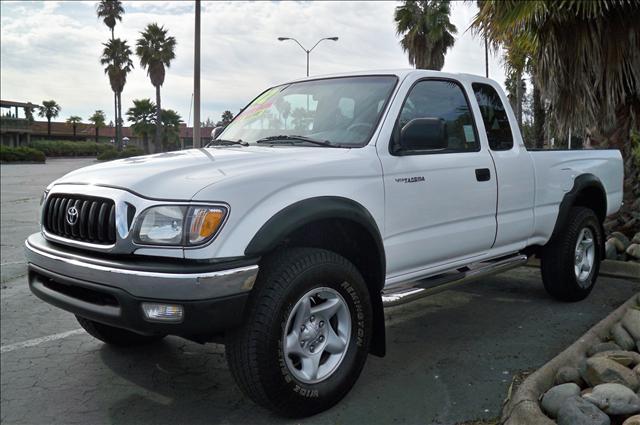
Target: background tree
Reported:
[(117, 58), (426, 30), (587, 60), (98, 119), (73, 121), (142, 116), (111, 11), (170, 121), (225, 119), (156, 50), (49, 109), (28, 112)]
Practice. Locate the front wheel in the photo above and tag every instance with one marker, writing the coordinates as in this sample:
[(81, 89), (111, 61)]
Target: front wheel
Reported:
[(571, 262), (306, 335)]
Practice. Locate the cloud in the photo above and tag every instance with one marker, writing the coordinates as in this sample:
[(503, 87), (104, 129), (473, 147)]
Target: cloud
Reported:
[(52, 49)]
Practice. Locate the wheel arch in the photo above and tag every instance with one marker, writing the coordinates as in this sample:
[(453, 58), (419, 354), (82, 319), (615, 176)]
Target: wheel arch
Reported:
[(587, 191), (337, 224)]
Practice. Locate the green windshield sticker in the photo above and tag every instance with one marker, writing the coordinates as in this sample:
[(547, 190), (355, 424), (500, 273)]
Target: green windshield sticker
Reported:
[(468, 134)]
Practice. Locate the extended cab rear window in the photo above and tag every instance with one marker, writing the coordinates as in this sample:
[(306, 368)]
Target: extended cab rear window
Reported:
[(494, 117)]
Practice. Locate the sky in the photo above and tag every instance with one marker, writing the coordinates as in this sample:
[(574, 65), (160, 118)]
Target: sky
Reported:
[(51, 50)]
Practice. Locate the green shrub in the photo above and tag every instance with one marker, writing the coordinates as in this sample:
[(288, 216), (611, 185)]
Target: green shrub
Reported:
[(8, 154), (66, 148), (112, 153)]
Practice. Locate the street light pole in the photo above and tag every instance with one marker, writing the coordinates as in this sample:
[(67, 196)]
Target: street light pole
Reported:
[(309, 50), (196, 81)]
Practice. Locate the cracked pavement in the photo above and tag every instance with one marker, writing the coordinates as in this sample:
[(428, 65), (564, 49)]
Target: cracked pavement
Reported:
[(451, 357)]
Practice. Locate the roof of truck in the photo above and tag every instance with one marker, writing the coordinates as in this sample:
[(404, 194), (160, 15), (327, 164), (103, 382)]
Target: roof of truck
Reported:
[(401, 73)]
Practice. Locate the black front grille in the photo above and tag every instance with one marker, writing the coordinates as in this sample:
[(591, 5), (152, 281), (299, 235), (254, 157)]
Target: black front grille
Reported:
[(95, 221)]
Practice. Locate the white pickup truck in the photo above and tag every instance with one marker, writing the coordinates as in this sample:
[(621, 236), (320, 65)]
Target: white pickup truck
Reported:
[(324, 201)]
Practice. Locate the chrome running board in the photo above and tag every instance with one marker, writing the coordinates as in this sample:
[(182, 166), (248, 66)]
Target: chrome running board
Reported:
[(403, 293)]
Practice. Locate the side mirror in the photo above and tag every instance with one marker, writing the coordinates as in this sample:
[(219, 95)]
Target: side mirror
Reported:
[(216, 132), (423, 134)]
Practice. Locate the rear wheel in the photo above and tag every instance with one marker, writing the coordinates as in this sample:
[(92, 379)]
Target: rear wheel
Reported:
[(571, 262), (115, 336), (307, 332)]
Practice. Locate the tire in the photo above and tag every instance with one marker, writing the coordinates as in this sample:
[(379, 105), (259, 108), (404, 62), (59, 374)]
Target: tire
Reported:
[(116, 336), (266, 370), (560, 257)]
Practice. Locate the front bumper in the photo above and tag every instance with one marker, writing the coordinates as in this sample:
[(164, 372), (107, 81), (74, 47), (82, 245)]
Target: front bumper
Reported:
[(111, 291)]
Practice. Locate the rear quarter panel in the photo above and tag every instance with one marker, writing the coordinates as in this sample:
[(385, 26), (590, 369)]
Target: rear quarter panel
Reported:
[(555, 172)]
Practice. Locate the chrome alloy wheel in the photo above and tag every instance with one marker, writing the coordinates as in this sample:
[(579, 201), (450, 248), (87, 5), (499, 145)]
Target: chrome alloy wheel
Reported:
[(585, 253), (316, 336)]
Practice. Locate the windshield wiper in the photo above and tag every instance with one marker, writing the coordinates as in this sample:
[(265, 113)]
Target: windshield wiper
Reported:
[(291, 138), (224, 142)]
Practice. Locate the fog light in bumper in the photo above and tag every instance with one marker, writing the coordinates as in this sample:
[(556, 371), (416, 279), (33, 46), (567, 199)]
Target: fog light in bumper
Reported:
[(155, 312)]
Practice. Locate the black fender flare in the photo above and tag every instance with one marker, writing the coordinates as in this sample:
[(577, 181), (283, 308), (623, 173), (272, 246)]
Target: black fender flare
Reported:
[(582, 182), (300, 213)]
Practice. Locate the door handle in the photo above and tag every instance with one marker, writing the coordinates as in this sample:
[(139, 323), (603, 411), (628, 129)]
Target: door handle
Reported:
[(483, 174)]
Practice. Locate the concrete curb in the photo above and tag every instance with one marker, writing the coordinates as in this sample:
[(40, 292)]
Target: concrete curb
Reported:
[(609, 268), (523, 407)]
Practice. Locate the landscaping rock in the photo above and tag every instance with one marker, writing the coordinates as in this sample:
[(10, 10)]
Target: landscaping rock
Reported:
[(636, 238), (625, 358), (622, 337), (634, 251), (603, 346), (617, 244), (554, 399), (577, 410), (631, 323), (634, 420), (601, 370), (610, 251), (614, 399), (624, 240), (568, 374)]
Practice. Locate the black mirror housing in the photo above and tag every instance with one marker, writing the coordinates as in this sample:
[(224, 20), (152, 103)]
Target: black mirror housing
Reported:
[(423, 134)]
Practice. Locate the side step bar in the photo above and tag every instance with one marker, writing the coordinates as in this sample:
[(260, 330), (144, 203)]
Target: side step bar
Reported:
[(411, 291)]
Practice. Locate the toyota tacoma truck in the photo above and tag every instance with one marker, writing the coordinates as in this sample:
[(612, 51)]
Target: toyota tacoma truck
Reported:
[(324, 201)]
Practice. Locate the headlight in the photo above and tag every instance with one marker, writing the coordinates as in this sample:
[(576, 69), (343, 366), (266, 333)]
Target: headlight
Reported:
[(178, 225)]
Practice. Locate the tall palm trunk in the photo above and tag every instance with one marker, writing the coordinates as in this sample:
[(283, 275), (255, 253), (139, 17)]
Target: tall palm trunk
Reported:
[(538, 117), (74, 132), (118, 123), (145, 142), (157, 141), (97, 134), (48, 126)]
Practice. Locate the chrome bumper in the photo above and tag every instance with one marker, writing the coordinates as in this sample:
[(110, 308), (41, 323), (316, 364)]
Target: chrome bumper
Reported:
[(177, 285)]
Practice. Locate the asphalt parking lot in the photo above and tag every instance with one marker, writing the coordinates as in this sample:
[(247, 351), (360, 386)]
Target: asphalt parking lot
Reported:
[(451, 357)]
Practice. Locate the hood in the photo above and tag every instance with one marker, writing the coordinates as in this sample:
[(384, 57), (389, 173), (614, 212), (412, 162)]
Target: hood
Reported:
[(180, 175)]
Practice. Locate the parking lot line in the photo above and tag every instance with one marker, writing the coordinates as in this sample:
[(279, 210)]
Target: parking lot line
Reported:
[(38, 341)]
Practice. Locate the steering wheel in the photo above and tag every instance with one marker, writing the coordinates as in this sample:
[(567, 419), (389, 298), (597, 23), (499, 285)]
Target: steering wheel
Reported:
[(353, 126)]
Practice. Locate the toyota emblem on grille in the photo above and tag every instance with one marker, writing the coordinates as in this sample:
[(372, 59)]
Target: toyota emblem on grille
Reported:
[(72, 216)]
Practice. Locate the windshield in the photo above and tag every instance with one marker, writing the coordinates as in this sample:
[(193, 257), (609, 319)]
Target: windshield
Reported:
[(342, 111)]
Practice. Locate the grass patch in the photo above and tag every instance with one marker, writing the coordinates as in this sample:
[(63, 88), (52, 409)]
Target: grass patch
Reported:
[(21, 154)]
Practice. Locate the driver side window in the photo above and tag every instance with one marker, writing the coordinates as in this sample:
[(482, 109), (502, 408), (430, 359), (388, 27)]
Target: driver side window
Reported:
[(445, 102)]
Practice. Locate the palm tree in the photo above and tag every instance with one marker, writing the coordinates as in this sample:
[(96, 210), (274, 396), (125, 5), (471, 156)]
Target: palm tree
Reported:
[(170, 121), (99, 120), (74, 120), (226, 118), (117, 58), (156, 50), (426, 30), (111, 11), (587, 60), (49, 109), (142, 116)]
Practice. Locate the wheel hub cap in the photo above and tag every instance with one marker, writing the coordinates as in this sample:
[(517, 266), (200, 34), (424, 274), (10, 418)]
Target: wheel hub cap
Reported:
[(584, 256), (316, 336)]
